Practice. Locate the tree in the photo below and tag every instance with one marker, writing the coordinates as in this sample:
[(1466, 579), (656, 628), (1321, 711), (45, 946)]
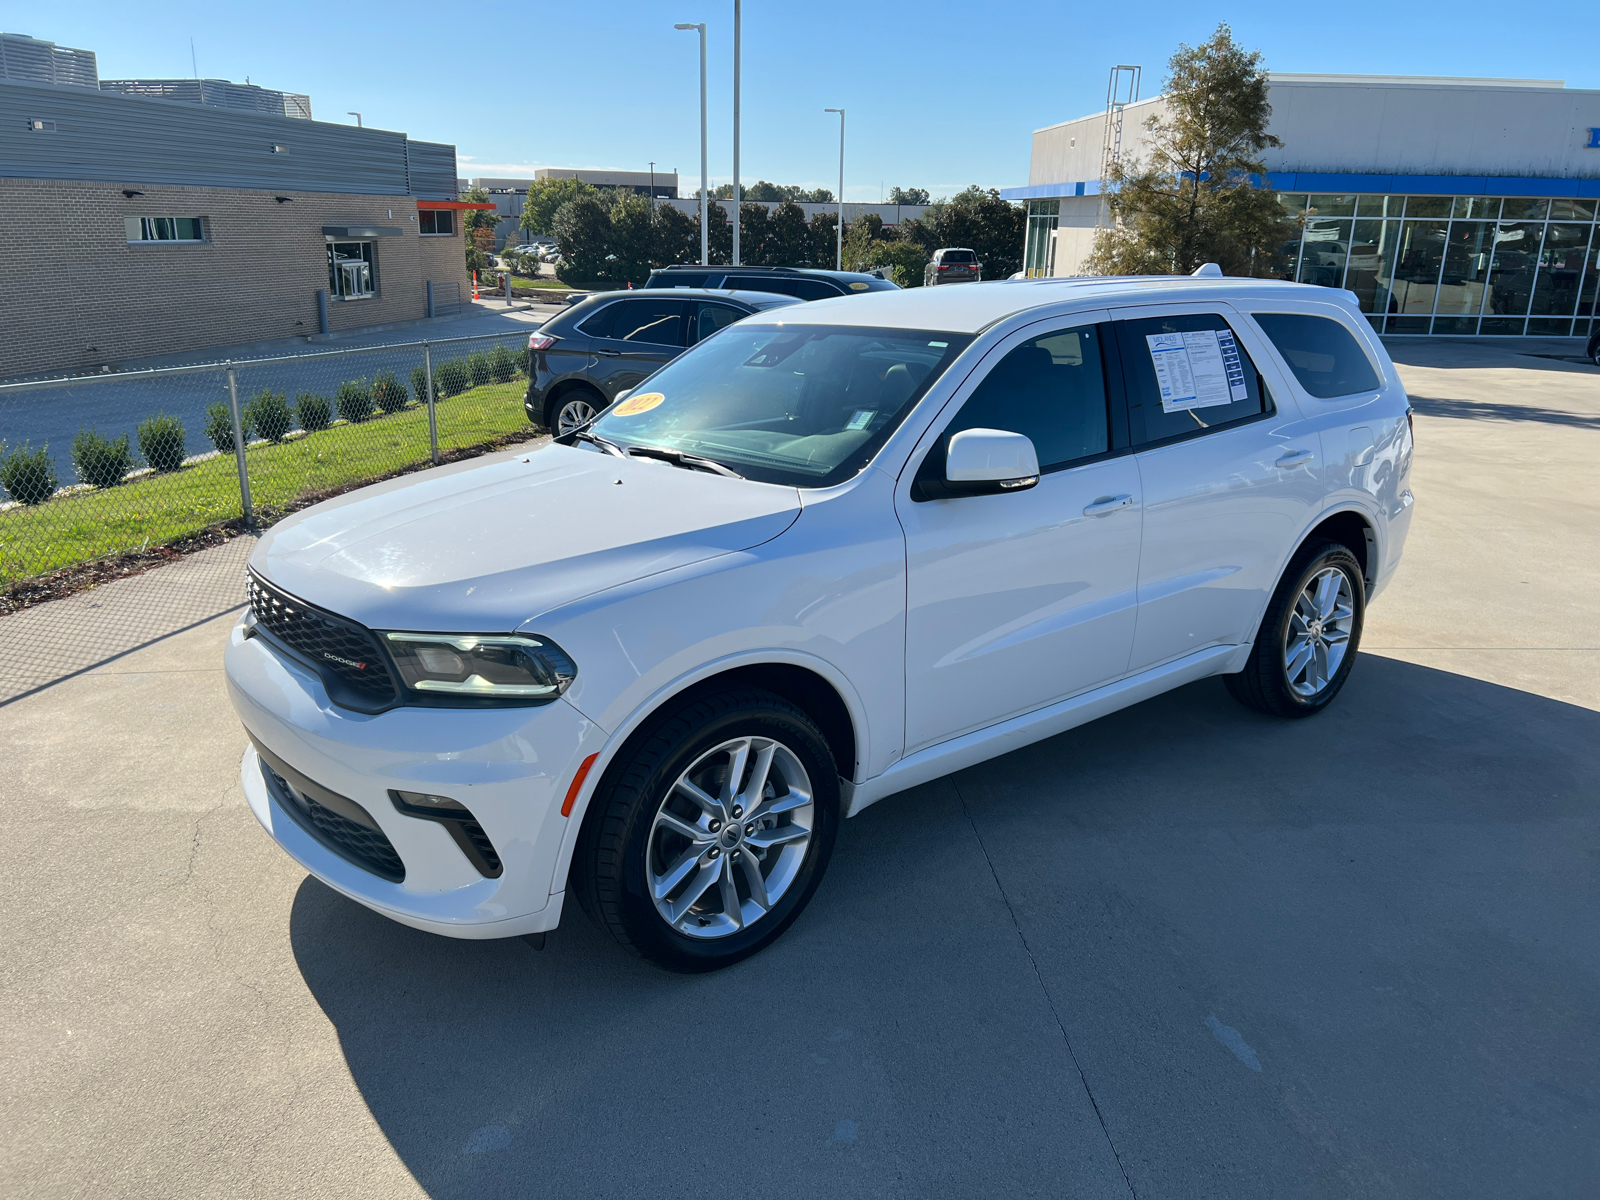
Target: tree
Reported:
[(721, 236), (677, 237), (905, 259), (478, 226), (769, 193), (978, 220), (1194, 201), (899, 195), (859, 237), (632, 242), (582, 228), (544, 197), (814, 196), (824, 228), (754, 225), (788, 239)]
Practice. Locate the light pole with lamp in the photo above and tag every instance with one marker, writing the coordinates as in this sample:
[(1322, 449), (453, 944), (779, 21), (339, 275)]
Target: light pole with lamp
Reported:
[(652, 188), (738, 206), (357, 116), (705, 233), (840, 231)]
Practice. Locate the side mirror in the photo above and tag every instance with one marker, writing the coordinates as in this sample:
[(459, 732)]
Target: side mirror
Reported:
[(980, 461)]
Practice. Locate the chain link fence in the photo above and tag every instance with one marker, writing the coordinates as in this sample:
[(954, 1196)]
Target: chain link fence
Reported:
[(101, 465)]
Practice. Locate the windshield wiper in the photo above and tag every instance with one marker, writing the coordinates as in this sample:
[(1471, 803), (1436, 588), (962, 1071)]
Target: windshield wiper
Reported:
[(605, 444), (678, 458)]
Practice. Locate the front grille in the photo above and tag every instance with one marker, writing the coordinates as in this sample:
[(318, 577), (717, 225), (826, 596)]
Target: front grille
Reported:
[(365, 846), (346, 654)]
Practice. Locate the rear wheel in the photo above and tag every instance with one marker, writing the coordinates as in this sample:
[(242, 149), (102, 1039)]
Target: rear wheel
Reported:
[(572, 409), (711, 836), (1307, 643)]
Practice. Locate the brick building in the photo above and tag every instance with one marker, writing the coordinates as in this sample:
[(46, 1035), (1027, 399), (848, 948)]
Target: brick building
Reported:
[(133, 226)]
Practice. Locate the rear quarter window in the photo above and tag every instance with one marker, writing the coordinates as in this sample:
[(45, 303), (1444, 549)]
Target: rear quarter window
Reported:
[(1324, 356)]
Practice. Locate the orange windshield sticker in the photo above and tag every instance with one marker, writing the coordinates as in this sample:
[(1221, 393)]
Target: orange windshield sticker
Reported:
[(634, 405)]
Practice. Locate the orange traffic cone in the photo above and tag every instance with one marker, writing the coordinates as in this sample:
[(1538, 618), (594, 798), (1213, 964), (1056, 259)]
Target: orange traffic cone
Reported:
[(474, 285)]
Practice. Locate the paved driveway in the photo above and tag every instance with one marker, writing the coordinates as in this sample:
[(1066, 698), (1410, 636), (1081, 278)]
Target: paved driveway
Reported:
[(1184, 951)]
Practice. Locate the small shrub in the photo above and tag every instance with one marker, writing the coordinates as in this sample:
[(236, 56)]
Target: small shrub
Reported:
[(354, 400), (161, 441), (269, 415), (419, 384), (219, 425), (389, 392), (29, 476), (478, 367), (451, 378), (503, 364), (315, 412), (100, 461)]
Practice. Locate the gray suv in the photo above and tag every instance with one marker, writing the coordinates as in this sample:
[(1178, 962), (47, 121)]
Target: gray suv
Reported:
[(954, 264), (581, 358)]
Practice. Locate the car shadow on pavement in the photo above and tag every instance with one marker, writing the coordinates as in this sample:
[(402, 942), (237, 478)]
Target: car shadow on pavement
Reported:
[(1475, 410), (1352, 955)]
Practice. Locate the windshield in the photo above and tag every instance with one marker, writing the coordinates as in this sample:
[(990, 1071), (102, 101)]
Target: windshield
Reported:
[(806, 406)]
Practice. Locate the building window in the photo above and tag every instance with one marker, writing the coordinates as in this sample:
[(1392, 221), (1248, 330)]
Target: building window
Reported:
[(437, 222), (352, 274), (165, 229), (1038, 253)]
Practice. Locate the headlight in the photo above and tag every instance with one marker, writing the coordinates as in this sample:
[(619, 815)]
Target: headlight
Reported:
[(518, 667)]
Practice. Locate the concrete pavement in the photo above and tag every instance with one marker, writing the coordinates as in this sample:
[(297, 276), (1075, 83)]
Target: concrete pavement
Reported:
[(1183, 951)]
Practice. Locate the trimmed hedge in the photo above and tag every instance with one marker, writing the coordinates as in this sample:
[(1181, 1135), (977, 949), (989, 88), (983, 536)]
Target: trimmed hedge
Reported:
[(161, 441), (354, 400), (29, 476), (100, 461)]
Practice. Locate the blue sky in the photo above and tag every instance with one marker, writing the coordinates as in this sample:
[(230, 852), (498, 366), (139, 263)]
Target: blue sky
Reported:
[(939, 94)]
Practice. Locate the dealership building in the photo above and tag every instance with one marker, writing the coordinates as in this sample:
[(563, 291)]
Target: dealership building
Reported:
[(1450, 207), (137, 225)]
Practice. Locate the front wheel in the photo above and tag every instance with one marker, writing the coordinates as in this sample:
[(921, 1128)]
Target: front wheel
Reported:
[(573, 410), (710, 837), (1307, 643)]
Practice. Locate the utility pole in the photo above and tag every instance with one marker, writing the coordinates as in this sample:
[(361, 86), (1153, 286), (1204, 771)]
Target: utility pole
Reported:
[(839, 232), (705, 233), (737, 195)]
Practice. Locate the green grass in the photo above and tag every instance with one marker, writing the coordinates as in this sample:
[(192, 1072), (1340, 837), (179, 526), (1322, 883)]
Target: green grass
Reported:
[(522, 281), (154, 509)]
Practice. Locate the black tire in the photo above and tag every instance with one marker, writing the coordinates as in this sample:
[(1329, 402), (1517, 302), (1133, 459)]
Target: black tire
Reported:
[(1594, 349), (573, 395), (610, 868), (1264, 684)]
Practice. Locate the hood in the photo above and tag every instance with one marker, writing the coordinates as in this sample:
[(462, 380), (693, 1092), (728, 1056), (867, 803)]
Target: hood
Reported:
[(483, 546)]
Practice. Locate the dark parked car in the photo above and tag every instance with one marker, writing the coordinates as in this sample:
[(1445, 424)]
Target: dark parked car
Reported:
[(952, 265), (582, 357), (1593, 350), (804, 283)]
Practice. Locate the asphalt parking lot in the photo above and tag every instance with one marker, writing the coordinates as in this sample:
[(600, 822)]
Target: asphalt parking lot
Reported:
[(1183, 951)]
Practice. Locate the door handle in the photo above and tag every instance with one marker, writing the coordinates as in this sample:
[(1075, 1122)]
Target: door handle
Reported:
[(609, 353), (1107, 504), (1295, 458)]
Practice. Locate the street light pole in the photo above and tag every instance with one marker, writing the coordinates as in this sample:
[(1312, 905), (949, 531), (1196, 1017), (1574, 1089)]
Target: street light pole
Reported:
[(705, 233), (652, 188), (737, 197), (356, 115), (839, 232)]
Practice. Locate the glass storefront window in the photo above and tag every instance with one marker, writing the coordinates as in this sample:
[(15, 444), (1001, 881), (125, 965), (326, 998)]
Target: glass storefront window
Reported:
[(1561, 261), (1590, 285), (1038, 252), (1325, 248), (1419, 259), (1519, 208), (1333, 206), (1380, 206), (1572, 210), (1511, 275), (1465, 277), (1428, 206), (1476, 208), (1373, 246)]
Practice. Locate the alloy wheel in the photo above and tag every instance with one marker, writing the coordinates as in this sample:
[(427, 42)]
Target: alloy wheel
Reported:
[(729, 837), (1319, 632), (572, 414)]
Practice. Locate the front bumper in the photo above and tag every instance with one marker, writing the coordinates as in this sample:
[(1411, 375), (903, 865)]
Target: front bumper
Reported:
[(510, 767)]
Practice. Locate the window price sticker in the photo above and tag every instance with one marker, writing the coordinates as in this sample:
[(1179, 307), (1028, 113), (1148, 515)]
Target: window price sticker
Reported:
[(1200, 369)]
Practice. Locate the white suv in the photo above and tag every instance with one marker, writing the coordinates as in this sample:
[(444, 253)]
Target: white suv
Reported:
[(823, 556)]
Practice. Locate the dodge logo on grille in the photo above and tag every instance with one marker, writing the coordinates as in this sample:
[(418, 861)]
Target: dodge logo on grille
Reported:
[(347, 662)]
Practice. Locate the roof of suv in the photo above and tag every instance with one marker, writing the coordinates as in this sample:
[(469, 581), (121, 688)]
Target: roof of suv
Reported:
[(756, 300), (975, 306), (844, 277)]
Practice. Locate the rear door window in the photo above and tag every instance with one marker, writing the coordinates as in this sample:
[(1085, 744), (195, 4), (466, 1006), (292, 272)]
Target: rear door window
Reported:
[(713, 317), (1324, 356), (1187, 375), (655, 322)]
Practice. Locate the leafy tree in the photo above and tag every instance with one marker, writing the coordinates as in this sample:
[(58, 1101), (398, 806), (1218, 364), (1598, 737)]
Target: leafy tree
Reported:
[(677, 237), (904, 258), (475, 224), (582, 229), (631, 244), (899, 195), (977, 219), (824, 227), (723, 191), (769, 193), (1193, 201), (859, 237), (721, 239), (788, 238), (814, 196), (544, 197), (754, 225)]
